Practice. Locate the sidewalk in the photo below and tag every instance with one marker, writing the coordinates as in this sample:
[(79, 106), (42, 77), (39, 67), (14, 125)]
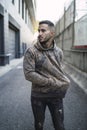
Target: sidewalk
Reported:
[(79, 77), (8, 67)]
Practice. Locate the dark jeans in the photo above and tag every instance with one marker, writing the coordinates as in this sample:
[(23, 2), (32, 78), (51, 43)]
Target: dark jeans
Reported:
[(56, 109)]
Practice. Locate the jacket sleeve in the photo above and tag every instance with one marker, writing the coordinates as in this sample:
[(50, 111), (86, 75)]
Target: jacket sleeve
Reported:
[(61, 57), (29, 70)]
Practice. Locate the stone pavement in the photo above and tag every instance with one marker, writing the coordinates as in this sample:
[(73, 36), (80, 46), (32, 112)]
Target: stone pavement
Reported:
[(78, 76), (8, 67)]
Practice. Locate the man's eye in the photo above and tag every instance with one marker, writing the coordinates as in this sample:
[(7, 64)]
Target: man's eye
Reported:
[(43, 30)]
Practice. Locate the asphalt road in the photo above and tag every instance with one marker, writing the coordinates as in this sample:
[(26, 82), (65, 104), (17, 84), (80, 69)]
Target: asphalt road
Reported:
[(15, 106)]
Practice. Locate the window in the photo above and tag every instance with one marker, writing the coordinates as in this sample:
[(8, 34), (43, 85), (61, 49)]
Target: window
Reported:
[(13, 1), (26, 14), (23, 9), (19, 6)]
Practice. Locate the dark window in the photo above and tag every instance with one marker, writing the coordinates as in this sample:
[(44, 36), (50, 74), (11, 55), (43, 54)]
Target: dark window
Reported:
[(23, 9), (26, 14), (19, 6), (13, 1)]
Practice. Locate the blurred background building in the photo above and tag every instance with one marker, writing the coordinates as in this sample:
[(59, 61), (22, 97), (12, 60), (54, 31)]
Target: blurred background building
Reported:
[(17, 23)]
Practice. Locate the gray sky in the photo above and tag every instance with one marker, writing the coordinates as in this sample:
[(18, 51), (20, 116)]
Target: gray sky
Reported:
[(50, 9)]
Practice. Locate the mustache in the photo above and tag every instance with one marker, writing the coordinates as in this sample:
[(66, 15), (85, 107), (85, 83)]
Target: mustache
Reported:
[(40, 36)]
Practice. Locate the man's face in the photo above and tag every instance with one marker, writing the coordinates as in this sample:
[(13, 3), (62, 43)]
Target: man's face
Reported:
[(45, 33)]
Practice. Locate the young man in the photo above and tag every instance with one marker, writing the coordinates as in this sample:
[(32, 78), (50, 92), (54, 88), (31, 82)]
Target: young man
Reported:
[(43, 67)]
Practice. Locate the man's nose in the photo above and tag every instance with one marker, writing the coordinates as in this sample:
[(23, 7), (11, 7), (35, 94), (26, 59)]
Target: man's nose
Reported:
[(40, 32)]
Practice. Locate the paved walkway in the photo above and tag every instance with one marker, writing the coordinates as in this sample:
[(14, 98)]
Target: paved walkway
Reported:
[(8, 67), (78, 76)]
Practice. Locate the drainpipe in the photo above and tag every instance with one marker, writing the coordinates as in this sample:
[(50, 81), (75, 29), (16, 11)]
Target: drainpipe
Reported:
[(73, 30)]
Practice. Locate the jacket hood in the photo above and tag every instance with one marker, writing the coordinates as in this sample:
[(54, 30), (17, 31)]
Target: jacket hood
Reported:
[(41, 48)]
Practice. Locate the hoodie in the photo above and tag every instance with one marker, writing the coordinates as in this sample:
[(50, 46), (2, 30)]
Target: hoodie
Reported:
[(43, 67)]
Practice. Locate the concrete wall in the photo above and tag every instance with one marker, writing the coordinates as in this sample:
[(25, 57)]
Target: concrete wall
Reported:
[(72, 38), (67, 40), (81, 32), (69, 15), (62, 24)]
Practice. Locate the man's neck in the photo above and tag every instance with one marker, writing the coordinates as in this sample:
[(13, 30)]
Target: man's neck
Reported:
[(48, 44)]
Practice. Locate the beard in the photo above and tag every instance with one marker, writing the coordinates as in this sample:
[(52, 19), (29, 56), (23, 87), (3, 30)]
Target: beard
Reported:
[(44, 43), (43, 40)]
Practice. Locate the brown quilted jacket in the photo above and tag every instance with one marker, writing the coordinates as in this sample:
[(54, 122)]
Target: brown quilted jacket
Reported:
[(43, 68)]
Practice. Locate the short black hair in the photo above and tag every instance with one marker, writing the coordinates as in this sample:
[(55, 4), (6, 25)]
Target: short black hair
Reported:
[(49, 23)]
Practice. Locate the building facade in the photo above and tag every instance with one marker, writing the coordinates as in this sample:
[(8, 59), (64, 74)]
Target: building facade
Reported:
[(17, 21), (71, 34)]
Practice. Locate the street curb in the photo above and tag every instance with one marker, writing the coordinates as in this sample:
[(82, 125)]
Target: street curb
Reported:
[(78, 76), (8, 67)]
